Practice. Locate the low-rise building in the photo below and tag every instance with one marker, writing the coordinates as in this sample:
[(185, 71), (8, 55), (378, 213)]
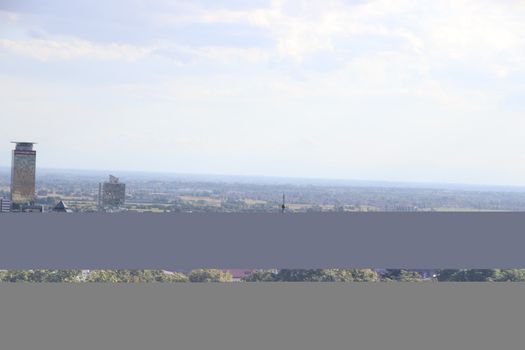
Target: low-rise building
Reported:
[(61, 207), (5, 205)]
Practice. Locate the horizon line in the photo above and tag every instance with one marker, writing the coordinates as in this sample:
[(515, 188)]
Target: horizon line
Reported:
[(304, 180)]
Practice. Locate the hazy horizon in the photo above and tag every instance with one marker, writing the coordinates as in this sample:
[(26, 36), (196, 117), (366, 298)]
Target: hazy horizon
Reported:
[(277, 180), (380, 90)]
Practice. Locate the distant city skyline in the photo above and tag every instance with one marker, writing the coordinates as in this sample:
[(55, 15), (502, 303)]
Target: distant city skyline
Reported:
[(277, 180), (400, 91)]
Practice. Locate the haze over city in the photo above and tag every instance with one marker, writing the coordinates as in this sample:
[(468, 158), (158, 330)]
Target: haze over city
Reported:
[(373, 90)]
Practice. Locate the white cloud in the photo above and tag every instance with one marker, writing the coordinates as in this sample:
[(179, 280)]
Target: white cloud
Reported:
[(74, 49), (318, 26), (70, 49), (8, 16), (212, 54), (379, 89), (481, 30), (459, 29)]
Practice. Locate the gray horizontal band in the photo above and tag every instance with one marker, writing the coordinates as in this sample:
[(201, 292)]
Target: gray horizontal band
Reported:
[(218, 240), (262, 316)]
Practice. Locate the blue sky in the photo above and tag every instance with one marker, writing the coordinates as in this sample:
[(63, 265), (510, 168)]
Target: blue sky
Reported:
[(428, 91)]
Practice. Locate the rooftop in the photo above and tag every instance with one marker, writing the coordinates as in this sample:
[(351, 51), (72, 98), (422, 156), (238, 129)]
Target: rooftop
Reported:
[(61, 207), (24, 146)]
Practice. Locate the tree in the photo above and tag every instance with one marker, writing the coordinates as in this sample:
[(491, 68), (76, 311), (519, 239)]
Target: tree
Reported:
[(513, 275), (108, 276), (481, 275), (51, 276), (366, 275), (134, 276), (302, 275), (355, 275), (315, 275), (209, 275), (16, 276), (261, 276), (171, 277), (445, 274), (59, 275), (402, 275)]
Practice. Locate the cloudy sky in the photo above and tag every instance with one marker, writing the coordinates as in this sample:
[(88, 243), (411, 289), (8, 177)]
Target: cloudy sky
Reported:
[(400, 90)]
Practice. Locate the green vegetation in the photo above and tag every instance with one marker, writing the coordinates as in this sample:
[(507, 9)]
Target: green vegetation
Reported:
[(482, 275), (209, 275), (40, 276), (133, 276), (402, 276), (274, 275), (317, 275)]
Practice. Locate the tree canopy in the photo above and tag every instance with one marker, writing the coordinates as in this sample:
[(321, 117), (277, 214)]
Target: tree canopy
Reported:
[(209, 275)]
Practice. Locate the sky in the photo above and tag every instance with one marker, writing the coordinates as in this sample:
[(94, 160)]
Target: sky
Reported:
[(400, 90)]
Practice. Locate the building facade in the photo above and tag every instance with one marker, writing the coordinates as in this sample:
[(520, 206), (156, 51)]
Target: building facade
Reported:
[(23, 170), (5, 205), (112, 193)]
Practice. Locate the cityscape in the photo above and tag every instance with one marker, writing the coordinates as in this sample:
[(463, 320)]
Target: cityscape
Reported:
[(262, 174), (26, 188), (23, 195), (57, 191)]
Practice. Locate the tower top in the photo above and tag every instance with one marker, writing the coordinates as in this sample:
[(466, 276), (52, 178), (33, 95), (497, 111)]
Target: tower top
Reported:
[(23, 146), (113, 179)]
